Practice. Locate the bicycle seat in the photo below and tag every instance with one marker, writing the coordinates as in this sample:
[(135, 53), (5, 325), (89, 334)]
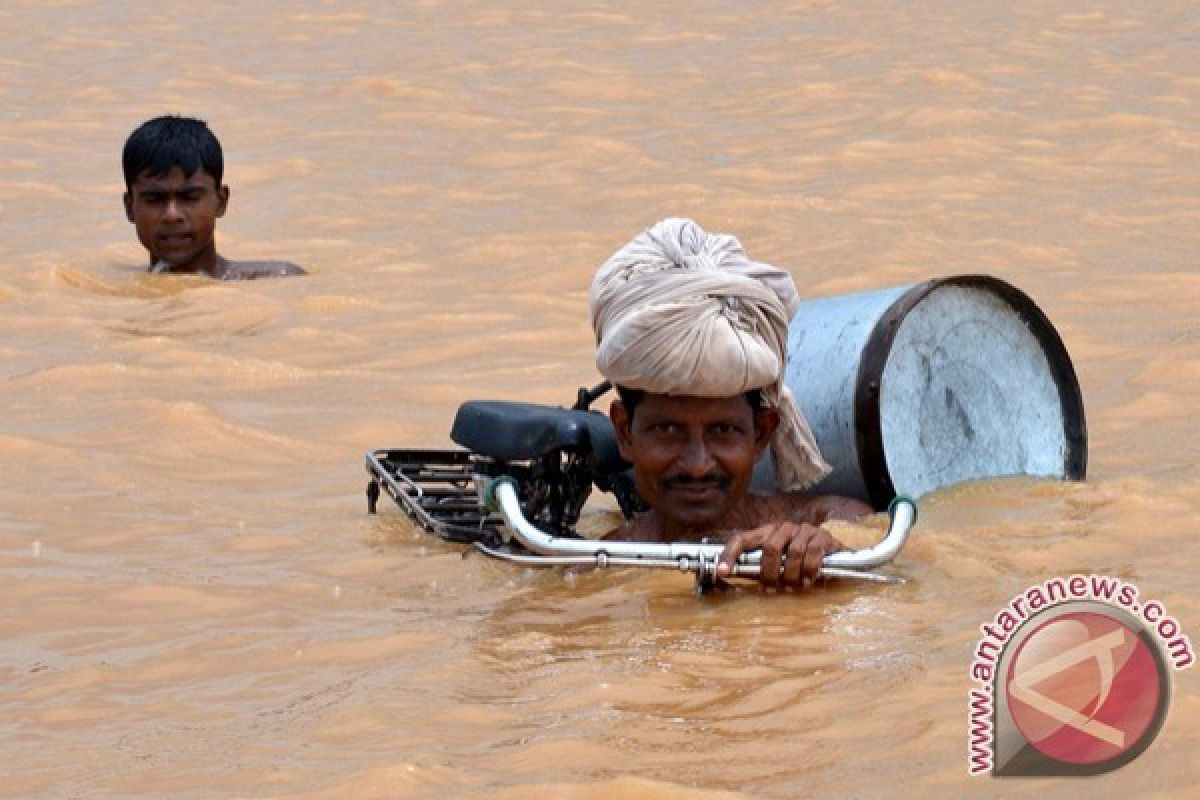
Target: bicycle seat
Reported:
[(508, 431)]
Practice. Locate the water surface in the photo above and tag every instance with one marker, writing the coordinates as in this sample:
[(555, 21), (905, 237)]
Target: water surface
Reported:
[(197, 605)]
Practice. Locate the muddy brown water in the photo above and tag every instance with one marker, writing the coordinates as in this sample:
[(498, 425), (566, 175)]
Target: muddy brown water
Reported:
[(197, 605)]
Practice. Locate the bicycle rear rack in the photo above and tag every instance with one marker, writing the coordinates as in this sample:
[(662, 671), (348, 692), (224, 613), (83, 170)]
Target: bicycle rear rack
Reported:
[(441, 490)]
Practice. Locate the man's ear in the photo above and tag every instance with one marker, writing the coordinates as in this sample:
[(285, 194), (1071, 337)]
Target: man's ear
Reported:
[(222, 200), (127, 199), (623, 426), (766, 420)]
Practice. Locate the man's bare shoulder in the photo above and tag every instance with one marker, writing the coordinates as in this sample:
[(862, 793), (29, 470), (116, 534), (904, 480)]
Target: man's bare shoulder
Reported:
[(251, 270)]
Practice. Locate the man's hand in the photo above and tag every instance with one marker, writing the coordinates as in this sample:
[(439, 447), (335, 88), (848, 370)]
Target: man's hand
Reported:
[(791, 553)]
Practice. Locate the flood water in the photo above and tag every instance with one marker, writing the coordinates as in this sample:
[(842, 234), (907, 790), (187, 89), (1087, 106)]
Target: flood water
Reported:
[(195, 603)]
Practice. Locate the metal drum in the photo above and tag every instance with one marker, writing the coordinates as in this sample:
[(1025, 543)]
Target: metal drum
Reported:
[(919, 387)]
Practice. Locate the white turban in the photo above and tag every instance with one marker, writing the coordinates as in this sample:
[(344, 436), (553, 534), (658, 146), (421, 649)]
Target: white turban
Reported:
[(681, 311)]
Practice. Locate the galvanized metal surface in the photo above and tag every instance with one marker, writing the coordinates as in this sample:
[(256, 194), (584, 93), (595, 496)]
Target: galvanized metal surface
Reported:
[(915, 388)]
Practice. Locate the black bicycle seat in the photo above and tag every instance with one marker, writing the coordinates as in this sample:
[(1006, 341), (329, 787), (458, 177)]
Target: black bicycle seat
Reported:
[(508, 431)]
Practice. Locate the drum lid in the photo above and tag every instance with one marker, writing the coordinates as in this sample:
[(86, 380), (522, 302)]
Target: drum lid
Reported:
[(965, 378)]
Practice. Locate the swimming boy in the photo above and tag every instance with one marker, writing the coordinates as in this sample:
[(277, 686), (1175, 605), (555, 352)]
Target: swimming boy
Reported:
[(174, 196)]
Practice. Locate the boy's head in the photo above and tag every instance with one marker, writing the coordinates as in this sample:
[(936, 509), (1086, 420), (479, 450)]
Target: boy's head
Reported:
[(165, 142), (174, 196)]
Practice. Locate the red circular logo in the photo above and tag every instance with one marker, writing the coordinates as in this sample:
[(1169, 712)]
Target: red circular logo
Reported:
[(1084, 688)]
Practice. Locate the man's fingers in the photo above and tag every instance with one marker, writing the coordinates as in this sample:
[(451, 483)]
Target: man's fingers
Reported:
[(793, 568), (791, 554), (774, 544), (734, 548), (814, 553)]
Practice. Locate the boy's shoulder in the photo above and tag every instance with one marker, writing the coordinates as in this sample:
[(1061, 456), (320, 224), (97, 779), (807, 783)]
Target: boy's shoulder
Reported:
[(249, 270)]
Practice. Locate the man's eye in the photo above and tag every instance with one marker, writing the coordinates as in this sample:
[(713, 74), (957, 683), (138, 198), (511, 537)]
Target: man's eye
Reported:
[(725, 429), (154, 198), (664, 427), (191, 197)]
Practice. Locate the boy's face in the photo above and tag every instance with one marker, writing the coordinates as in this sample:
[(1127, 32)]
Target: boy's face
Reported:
[(176, 217)]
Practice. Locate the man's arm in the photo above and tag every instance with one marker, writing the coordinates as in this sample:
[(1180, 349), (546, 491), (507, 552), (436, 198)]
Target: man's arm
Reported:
[(825, 507)]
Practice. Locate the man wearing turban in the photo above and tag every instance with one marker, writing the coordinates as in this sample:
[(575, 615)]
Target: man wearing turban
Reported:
[(694, 336)]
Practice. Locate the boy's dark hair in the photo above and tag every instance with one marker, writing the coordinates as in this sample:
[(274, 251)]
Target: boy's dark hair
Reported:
[(172, 141), (631, 397)]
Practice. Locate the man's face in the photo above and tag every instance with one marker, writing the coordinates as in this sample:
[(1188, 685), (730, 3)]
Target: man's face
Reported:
[(176, 217), (693, 457)]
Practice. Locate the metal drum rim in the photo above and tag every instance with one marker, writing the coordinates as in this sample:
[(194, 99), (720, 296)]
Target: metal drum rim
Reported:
[(868, 425)]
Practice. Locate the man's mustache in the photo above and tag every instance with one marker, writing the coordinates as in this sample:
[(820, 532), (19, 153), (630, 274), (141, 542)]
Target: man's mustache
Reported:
[(710, 481)]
